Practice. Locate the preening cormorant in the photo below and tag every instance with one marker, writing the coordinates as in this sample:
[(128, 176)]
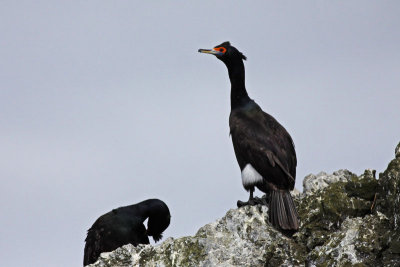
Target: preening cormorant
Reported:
[(125, 226), (264, 149)]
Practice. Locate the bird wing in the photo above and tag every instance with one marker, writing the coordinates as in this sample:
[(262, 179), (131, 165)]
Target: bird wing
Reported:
[(111, 231), (93, 246), (260, 140), (102, 237)]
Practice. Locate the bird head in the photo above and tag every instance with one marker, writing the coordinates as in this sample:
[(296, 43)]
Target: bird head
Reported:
[(224, 52), (159, 218), (156, 226)]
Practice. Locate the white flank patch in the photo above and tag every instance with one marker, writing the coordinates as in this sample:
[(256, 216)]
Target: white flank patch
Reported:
[(250, 176)]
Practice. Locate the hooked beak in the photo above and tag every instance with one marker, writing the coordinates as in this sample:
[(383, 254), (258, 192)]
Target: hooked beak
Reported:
[(211, 51)]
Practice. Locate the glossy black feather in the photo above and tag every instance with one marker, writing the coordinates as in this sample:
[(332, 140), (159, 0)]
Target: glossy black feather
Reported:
[(125, 226), (260, 140)]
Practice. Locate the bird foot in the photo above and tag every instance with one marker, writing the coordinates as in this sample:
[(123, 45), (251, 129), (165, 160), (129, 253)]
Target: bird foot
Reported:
[(244, 203), (252, 202)]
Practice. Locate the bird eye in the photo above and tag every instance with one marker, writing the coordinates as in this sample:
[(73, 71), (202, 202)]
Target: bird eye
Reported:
[(221, 49)]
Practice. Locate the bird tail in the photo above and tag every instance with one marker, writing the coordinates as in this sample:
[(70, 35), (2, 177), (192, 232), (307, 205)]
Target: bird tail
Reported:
[(282, 211)]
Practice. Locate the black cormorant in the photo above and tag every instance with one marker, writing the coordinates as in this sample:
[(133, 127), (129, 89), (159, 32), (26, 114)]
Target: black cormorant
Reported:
[(264, 149), (125, 226)]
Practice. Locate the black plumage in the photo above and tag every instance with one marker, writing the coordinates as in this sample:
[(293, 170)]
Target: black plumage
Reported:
[(124, 225), (263, 148)]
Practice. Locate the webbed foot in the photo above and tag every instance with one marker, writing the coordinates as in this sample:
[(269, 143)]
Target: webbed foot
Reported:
[(251, 202)]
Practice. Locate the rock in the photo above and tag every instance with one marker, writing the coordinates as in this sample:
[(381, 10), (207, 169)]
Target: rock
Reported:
[(346, 220), (313, 183), (357, 241), (325, 209), (242, 237), (389, 192), (295, 192)]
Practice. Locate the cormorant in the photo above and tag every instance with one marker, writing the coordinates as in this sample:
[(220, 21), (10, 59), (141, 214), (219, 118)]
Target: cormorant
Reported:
[(263, 148), (125, 225)]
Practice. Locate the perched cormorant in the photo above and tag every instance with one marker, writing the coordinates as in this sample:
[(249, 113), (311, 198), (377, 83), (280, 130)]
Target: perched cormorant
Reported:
[(264, 149), (125, 226)]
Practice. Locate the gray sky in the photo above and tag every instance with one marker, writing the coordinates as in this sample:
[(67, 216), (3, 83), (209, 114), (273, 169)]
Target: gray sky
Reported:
[(107, 103)]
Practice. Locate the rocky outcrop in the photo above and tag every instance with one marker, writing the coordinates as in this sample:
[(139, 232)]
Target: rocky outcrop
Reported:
[(346, 220)]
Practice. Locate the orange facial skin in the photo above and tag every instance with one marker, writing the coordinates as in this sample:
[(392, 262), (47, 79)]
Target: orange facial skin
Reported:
[(220, 49)]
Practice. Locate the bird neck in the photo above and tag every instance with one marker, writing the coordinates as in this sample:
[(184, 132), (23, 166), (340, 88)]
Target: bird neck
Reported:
[(239, 94), (143, 210), (151, 208)]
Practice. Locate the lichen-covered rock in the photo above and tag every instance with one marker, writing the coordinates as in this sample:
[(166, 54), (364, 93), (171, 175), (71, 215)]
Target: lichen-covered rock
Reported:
[(389, 192), (388, 202), (313, 183), (243, 237), (324, 210), (346, 220), (359, 241)]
